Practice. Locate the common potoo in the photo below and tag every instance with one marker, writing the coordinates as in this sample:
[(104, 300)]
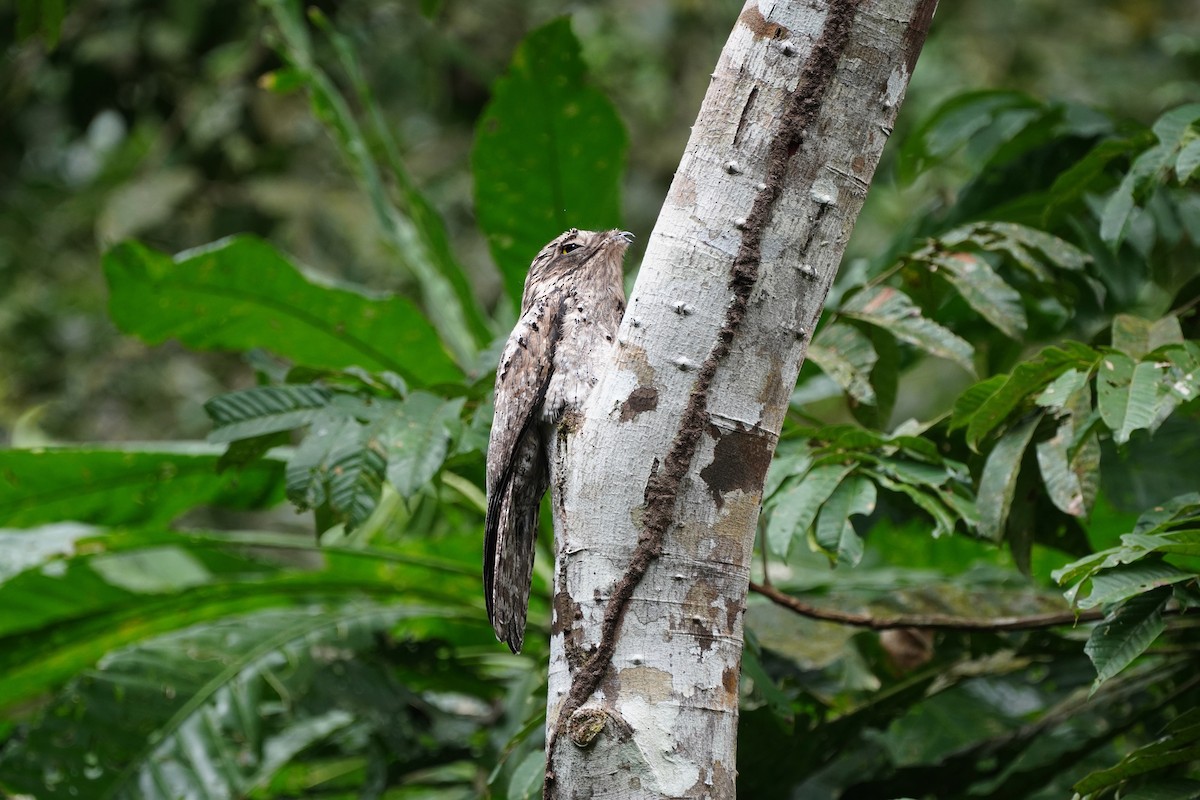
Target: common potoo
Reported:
[(573, 302)]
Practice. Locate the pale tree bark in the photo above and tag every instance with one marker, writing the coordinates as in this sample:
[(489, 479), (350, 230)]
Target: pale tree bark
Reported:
[(657, 484)]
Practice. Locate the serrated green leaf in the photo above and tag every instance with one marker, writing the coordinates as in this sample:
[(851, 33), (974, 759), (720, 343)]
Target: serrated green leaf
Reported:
[(985, 291), (264, 409), (242, 293), (1062, 484), (893, 311), (1028, 377), (549, 153), (126, 487), (998, 482), (416, 440), (797, 505), (341, 464), (1126, 633), (834, 533), (845, 354)]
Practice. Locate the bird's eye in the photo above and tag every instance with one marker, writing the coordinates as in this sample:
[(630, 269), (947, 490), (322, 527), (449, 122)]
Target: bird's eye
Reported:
[(568, 247)]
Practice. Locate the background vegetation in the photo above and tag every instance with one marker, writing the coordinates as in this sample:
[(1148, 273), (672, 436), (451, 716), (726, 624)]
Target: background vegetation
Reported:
[(1008, 363)]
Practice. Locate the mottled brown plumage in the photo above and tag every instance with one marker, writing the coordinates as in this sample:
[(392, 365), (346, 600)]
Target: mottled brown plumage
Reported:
[(570, 311)]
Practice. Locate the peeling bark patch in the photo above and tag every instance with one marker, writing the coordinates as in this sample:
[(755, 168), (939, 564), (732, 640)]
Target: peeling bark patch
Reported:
[(665, 482), (740, 461), (753, 19), (729, 680), (640, 400)]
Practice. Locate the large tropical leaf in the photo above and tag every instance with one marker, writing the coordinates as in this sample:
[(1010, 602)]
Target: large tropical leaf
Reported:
[(104, 486), (242, 293), (549, 153)]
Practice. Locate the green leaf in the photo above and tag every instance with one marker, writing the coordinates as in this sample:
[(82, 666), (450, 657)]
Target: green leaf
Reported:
[(126, 487), (549, 153), (1172, 128), (1062, 388), (1126, 633), (1188, 161), (340, 463), (527, 778), (1179, 747), (1136, 336), (835, 534), (985, 291), (1126, 580), (417, 238), (998, 482), (1165, 789), (845, 354), (221, 705), (960, 120), (1128, 394), (970, 401), (241, 293), (416, 440), (895, 312), (264, 409), (151, 582), (797, 505)]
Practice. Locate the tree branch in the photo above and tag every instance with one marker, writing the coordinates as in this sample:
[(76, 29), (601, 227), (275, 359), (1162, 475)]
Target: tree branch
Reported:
[(936, 622)]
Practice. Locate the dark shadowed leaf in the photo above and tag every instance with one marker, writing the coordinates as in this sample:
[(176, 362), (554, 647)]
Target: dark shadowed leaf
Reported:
[(984, 290), (549, 153), (1126, 633)]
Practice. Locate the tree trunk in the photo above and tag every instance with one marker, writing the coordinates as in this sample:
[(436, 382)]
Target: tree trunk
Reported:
[(657, 484)]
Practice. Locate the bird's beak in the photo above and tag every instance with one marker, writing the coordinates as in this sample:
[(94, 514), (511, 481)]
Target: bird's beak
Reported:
[(626, 235)]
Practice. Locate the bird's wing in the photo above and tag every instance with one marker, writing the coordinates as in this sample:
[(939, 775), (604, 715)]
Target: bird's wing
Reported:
[(516, 469)]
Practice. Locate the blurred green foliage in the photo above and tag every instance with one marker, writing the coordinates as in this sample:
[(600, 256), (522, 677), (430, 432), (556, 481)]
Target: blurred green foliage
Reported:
[(1008, 361)]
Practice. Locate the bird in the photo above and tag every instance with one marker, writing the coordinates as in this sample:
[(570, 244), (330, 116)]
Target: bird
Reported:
[(572, 305)]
